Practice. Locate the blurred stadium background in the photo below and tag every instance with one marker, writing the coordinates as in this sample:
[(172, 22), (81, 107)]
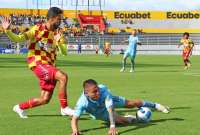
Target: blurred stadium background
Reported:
[(87, 22)]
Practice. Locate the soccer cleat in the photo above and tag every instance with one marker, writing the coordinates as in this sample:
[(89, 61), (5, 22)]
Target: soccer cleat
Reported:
[(162, 108), (186, 67), (122, 70), (20, 112), (131, 70), (67, 111), (189, 65)]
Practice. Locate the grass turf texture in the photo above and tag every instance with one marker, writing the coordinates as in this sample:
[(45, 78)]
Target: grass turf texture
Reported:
[(157, 78)]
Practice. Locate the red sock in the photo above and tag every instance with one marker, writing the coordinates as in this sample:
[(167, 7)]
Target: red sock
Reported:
[(63, 100), (185, 62), (28, 104)]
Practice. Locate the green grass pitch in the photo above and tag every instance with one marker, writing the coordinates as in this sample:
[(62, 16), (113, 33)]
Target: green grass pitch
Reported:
[(157, 78)]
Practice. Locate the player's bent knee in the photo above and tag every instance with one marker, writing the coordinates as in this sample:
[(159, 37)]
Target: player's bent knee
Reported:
[(63, 77), (138, 103), (120, 121), (134, 103), (45, 101)]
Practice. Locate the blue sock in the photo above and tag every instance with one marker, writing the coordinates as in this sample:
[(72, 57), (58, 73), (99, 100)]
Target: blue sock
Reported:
[(148, 104)]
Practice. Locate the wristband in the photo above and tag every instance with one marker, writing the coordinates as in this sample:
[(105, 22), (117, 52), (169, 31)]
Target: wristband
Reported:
[(112, 126)]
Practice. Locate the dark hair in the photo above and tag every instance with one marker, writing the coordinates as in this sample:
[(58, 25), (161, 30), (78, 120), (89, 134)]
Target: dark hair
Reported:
[(53, 12), (186, 34), (89, 81)]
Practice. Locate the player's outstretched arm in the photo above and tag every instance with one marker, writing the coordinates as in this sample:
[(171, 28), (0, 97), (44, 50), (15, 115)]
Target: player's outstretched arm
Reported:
[(6, 23), (63, 49), (62, 43), (112, 130), (192, 47), (125, 41), (180, 45), (110, 109), (74, 125), (192, 44)]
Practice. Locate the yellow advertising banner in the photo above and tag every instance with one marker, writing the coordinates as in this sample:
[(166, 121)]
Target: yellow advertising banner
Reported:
[(148, 21), (150, 15)]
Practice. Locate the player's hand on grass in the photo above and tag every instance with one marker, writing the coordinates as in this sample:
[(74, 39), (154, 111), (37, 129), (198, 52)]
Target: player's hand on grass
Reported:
[(112, 131), (75, 133), (5, 23)]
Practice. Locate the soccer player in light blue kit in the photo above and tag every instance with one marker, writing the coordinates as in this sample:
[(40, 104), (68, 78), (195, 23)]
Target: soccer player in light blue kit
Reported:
[(98, 101), (131, 51)]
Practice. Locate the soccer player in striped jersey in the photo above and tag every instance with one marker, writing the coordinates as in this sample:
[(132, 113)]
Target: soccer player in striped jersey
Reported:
[(44, 39), (107, 48), (188, 45)]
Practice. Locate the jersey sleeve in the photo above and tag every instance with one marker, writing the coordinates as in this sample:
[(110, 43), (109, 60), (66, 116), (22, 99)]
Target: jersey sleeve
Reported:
[(181, 41), (191, 41), (80, 107), (129, 39), (30, 34), (62, 45), (21, 37), (138, 41), (15, 37), (108, 96), (109, 101)]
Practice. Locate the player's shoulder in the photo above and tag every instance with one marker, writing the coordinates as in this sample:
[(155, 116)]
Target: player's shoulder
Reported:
[(35, 27), (130, 36), (102, 86), (103, 89), (82, 100)]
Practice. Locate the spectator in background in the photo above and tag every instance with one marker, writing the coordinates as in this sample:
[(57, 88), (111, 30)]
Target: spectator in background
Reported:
[(97, 50), (79, 46)]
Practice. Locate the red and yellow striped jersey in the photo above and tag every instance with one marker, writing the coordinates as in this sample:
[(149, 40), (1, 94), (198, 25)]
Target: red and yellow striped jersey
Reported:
[(187, 43), (42, 45)]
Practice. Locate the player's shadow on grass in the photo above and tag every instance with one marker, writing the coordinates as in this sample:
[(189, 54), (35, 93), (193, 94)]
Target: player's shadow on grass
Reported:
[(44, 115), (122, 111), (152, 123), (86, 117), (180, 108), (162, 71), (136, 125)]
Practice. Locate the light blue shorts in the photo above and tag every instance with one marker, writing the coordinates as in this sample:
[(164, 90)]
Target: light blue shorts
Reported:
[(129, 54), (118, 102)]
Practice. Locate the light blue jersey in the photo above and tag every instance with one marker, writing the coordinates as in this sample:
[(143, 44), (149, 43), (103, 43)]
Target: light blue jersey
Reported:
[(132, 47), (98, 109)]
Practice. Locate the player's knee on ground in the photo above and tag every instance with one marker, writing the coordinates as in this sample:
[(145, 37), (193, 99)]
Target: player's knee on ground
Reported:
[(121, 120), (134, 103)]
